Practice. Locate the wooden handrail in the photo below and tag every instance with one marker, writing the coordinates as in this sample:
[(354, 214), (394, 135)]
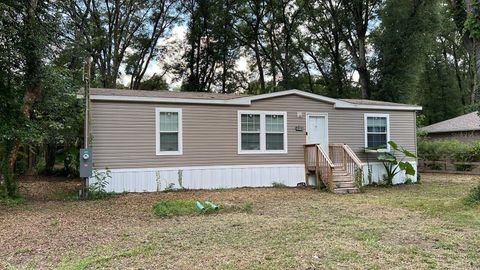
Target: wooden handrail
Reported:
[(352, 155), (315, 157), (343, 157), (330, 163)]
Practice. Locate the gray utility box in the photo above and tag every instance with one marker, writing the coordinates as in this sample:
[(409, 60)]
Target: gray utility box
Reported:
[(86, 162)]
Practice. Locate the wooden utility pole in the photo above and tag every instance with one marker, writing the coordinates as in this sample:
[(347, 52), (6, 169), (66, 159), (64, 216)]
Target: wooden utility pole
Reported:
[(86, 80)]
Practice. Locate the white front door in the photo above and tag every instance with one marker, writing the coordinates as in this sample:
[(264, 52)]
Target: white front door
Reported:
[(317, 130)]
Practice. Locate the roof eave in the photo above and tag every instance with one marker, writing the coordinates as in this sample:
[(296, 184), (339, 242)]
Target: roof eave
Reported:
[(379, 107), (246, 101), (167, 100), (450, 131)]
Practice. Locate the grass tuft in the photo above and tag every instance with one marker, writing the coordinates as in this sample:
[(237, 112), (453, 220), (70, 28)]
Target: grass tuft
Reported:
[(247, 207), (177, 207), (12, 201), (279, 185), (187, 207)]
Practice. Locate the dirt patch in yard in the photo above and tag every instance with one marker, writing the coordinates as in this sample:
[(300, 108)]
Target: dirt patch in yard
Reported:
[(45, 188), (289, 228)]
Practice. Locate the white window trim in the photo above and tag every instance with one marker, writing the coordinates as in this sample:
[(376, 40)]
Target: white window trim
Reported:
[(263, 136), (157, 131), (387, 116)]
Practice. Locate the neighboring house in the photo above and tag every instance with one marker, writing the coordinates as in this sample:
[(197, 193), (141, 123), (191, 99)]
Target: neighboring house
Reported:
[(465, 128), (151, 139)]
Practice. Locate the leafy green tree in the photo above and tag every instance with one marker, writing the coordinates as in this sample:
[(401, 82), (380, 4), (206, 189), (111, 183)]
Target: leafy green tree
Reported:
[(248, 29), (28, 29), (116, 33), (323, 43), (439, 93), (466, 15), (58, 116), (156, 82), (357, 17), (211, 49), (446, 75), (407, 31), (37, 99)]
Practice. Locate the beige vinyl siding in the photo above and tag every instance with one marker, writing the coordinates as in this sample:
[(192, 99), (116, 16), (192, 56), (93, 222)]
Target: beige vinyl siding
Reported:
[(124, 132)]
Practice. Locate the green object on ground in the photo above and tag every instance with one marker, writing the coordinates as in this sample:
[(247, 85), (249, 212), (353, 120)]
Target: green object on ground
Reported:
[(199, 205), (211, 205)]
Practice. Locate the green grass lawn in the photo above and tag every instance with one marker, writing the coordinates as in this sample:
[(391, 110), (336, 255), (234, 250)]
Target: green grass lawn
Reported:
[(404, 227)]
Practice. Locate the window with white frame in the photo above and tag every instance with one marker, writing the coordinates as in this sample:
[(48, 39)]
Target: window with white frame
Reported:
[(250, 131), (169, 131), (262, 132), (377, 131), (274, 132)]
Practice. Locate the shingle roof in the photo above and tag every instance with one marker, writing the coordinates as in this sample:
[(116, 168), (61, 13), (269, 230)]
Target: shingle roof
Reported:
[(162, 94), (209, 95), (466, 122), (373, 102), (235, 99)]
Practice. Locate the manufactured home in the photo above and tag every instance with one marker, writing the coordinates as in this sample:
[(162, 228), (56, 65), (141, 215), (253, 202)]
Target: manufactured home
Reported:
[(154, 140)]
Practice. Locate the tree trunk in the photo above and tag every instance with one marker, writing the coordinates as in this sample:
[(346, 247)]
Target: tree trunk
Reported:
[(32, 160), (224, 72), (29, 98), (458, 74), (363, 73), (364, 79), (50, 150), (473, 48), (261, 74), (476, 55), (310, 82)]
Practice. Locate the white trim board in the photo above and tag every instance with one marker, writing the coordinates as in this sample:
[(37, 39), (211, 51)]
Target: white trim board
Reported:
[(246, 101), (209, 167)]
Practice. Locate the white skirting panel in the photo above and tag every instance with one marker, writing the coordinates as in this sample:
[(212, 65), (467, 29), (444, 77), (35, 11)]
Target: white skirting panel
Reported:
[(206, 177), (378, 171)]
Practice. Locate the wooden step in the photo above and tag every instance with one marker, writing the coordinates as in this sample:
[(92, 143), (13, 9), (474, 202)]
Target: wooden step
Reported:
[(342, 179), (346, 190), (349, 177), (346, 184)]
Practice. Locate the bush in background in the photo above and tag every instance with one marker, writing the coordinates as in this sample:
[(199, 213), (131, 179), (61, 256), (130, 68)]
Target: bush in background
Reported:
[(452, 150), (473, 198)]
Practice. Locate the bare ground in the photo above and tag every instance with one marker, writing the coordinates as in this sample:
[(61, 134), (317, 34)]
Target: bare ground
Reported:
[(404, 227)]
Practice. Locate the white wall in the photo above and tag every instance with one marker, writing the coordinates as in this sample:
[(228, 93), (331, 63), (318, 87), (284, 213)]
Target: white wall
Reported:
[(206, 177), (378, 171), (213, 177)]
